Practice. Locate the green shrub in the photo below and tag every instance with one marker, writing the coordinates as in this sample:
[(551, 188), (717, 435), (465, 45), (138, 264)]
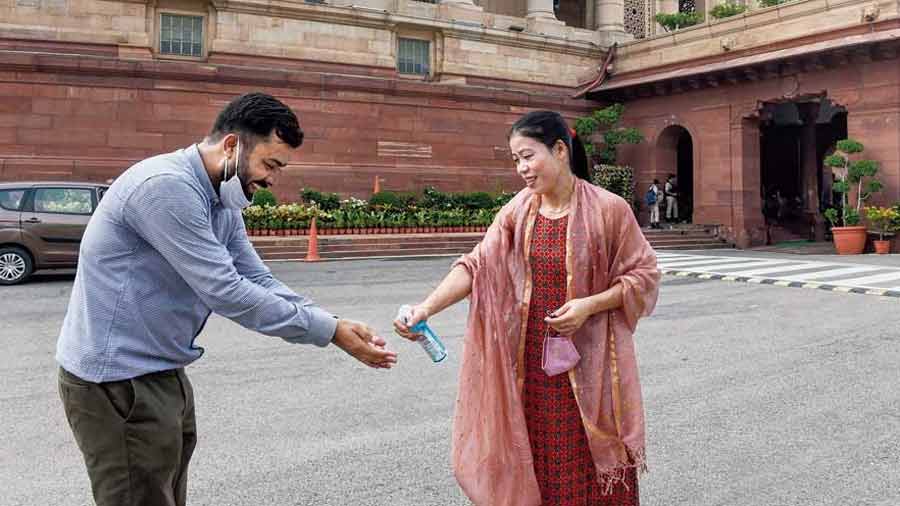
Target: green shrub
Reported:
[(434, 199), (387, 198), (326, 201), (771, 3), (606, 122), (409, 199), (849, 174), (678, 20), (616, 179), (264, 197), (502, 199), (727, 10), (475, 200)]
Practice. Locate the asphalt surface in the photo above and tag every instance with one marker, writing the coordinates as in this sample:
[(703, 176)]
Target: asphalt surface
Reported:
[(754, 395)]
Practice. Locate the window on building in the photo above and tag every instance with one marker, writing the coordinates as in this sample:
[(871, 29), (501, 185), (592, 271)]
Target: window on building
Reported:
[(181, 35), (414, 56)]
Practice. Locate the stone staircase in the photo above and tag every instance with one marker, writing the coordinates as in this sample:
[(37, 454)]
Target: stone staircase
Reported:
[(346, 247), (685, 237)]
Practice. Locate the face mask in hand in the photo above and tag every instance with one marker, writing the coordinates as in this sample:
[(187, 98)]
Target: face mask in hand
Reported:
[(231, 191)]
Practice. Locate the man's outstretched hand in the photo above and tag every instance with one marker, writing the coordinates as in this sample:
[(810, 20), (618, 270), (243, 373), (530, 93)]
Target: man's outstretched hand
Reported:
[(361, 343)]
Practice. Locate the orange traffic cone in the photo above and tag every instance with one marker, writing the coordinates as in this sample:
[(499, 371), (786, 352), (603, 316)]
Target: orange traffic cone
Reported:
[(312, 254), (377, 188)]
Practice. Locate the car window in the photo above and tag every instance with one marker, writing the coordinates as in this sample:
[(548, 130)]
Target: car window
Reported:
[(100, 193), (63, 200), (11, 200)]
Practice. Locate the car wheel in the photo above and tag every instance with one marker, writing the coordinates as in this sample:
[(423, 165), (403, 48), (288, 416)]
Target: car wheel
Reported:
[(15, 265)]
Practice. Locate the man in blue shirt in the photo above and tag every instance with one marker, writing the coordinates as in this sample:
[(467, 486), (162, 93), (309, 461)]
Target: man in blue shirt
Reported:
[(165, 248)]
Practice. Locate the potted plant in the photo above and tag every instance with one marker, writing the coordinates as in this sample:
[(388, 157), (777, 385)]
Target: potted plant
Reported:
[(886, 221), (850, 176)]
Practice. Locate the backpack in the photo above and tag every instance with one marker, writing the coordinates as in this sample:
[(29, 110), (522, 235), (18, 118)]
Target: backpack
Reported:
[(650, 198)]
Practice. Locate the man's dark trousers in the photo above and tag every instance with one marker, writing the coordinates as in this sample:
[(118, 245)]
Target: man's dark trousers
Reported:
[(137, 436)]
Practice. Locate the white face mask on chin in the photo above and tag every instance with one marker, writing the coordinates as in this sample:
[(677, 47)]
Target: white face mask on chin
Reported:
[(231, 191)]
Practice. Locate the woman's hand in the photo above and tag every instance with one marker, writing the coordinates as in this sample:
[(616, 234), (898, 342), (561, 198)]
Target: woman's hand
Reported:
[(571, 316), (419, 313)]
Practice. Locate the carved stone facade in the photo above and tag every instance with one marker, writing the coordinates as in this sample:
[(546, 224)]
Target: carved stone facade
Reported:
[(86, 86), (726, 86), (639, 18)]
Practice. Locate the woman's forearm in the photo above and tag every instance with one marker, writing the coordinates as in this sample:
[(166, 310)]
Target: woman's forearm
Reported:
[(455, 287), (608, 300)]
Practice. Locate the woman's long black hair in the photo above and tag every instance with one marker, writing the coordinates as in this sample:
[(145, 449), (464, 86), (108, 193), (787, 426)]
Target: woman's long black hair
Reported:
[(549, 127)]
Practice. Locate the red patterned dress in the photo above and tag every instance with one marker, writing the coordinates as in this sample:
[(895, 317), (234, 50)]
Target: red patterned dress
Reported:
[(562, 459)]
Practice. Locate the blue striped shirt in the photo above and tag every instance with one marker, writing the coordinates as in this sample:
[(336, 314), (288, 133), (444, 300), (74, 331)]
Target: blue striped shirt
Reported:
[(158, 256)]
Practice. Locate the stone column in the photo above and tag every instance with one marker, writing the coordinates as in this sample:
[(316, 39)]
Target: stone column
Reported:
[(809, 170), (610, 16), (749, 227), (540, 10)]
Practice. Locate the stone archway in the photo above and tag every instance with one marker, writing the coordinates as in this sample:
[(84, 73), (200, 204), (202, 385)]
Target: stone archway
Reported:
[(795, 135), (675, 156)]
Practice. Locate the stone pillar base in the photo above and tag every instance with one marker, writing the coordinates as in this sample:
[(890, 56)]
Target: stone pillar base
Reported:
[(744, 238), (609, 37), (546, 26)]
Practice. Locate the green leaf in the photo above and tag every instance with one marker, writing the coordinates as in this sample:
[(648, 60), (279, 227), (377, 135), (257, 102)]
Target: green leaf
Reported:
[(264, 197), (874, 186), (851, 217), (727, 10), (835, 161), (850, 146), (866, 168)]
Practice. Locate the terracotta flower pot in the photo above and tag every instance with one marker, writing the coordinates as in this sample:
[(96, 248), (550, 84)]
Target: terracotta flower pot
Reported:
[(882, 247), (849, 240)]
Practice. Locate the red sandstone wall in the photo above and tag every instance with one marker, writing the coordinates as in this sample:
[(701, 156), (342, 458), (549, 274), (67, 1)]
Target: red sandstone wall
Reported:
[(77, 118), (726, 168)]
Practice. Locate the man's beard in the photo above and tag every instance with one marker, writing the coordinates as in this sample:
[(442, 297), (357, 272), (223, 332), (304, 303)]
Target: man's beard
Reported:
[(245, 182)]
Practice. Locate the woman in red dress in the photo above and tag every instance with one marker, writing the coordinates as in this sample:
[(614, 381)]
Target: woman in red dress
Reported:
[(563, 258)]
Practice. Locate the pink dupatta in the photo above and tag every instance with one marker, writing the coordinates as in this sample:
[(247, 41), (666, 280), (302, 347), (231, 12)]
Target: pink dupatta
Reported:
[(604, 246)]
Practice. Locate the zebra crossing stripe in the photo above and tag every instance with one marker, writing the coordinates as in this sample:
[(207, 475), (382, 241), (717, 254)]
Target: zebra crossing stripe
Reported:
[(779, 267), (833, 286), (833, 273), (869, 280)]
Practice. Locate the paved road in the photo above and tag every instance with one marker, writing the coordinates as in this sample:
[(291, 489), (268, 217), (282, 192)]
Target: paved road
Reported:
[(755, 395), (870, 274)]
